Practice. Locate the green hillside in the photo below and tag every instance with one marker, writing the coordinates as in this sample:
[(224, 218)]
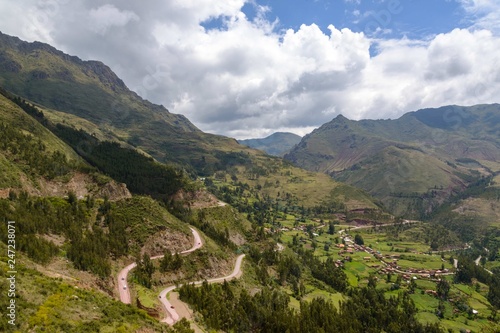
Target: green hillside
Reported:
[(35, 160), (93, 93), (45, 304), (413, 163)]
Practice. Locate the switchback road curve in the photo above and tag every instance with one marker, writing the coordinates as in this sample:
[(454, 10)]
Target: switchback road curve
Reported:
[(123, 275), (172, 315)]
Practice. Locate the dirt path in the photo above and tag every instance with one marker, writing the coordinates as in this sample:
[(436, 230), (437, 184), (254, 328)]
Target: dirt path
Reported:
[(184, 311), (172, 314), (180, 309), (123, 275)]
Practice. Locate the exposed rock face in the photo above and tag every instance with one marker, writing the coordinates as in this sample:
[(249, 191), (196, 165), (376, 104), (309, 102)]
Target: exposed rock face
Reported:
[(4, 193), (167, 240), (114, 191), (8, 64), (81, 184), (197, 199), (105, 75)]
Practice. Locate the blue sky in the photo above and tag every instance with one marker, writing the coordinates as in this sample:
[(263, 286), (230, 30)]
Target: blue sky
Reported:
[(248, 68), (411, 18)]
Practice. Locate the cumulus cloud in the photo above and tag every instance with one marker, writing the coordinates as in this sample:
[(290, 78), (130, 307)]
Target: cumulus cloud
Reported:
[(244, 78), (483, 14), (107, 16)]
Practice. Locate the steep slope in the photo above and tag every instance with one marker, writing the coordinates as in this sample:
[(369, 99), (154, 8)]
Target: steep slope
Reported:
[(47, 76), (92, 92), (276, 144), (33, 159), (64, 304), (412, 163)]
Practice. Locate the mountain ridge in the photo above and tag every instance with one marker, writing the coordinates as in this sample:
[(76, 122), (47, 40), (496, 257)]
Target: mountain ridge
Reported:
[(414, 154), (276, 144), (122, 117)]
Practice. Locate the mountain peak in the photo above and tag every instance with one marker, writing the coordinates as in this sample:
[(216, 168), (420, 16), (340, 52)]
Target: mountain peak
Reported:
[(55, 78), (90, 68)]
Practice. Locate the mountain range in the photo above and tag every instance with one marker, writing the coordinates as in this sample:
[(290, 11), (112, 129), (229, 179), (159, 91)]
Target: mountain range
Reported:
[(413, 163), (87, 96), (98, 181)]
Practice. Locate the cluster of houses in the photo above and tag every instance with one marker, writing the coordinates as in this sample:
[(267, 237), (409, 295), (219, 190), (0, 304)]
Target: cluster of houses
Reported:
[(389, 261)]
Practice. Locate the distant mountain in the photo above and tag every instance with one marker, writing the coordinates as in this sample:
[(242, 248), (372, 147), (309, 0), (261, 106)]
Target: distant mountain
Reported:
[(276, 144), (412, 163)]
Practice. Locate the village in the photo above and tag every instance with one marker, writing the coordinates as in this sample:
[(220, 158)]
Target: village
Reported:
[(381, 263), (389, 262)]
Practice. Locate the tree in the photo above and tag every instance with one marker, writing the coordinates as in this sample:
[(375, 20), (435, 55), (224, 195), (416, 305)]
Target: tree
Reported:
[(372, 281), (494, 292), (331, 228), (443, 288), (440, 310), (358, 239), (166, 262), (483, 261), (144, 271), (177, 261), (183, 326), (413, 285), (148, 266), (72, 198), (262, 273)]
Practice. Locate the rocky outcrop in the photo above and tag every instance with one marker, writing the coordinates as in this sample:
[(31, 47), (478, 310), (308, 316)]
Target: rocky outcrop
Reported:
[(114, 191), (197, 199), (80, 184)]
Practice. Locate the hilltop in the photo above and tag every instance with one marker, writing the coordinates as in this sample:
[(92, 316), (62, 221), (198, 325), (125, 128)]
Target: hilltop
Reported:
[(414, 163)]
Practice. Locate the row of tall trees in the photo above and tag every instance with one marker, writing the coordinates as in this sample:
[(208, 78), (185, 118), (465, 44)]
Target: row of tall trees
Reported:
[(142, 174), (365, 310)]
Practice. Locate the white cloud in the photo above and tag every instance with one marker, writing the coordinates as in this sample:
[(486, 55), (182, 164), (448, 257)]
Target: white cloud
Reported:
[(484, 14), (454, 68), (107, 16), (247, 79)]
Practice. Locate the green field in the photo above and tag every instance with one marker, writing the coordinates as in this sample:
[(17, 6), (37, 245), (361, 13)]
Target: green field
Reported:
[(412, 253)]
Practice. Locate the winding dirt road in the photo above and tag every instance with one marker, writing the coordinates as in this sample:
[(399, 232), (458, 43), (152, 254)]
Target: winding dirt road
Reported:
[(123, 275), (172, 315)]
